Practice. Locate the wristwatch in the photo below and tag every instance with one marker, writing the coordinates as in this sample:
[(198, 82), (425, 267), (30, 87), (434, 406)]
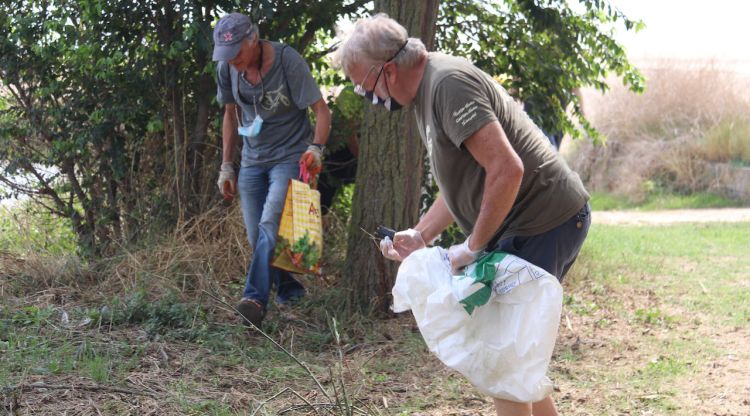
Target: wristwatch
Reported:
[(319, 146)]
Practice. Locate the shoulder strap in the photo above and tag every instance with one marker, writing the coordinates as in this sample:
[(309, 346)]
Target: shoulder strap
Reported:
[(283, 69), (234, 80)]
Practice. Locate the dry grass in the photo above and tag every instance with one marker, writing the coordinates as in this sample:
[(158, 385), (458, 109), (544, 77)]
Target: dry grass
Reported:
[(691, 116), (208, 251), (729, 141)]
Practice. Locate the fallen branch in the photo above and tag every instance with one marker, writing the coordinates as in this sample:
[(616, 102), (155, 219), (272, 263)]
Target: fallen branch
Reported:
[(41, 385), (284, 390)]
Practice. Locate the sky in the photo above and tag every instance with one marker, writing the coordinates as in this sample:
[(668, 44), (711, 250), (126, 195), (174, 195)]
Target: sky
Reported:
[(689, 29)]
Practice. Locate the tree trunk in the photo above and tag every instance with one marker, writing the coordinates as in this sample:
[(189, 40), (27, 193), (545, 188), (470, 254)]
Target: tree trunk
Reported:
[(203, 158), (389, 174)]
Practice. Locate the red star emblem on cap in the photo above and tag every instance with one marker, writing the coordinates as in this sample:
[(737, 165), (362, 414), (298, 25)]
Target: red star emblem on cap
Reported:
[(228, 37)]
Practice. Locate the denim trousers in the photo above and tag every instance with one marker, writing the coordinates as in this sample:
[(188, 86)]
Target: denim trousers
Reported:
[(262, 190)]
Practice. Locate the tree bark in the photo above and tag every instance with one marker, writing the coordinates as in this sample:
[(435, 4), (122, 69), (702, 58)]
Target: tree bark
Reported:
[(203, 159), (389, 175)]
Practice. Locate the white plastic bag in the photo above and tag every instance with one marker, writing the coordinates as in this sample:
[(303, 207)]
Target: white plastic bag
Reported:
[(503, 342)]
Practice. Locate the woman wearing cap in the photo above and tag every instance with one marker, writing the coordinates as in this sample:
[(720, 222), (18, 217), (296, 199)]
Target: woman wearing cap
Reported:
[(266, 88)]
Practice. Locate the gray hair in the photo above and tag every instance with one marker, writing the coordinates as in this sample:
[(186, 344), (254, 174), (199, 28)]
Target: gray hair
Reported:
[(253, 33), (376, 39)]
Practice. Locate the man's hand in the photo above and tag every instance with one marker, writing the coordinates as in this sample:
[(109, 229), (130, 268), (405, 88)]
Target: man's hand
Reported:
[(404, 243), (313, 159), (227, 181), (461, 255)]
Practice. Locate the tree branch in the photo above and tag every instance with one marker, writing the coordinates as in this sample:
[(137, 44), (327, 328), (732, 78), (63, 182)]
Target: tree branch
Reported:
[(325, 52)]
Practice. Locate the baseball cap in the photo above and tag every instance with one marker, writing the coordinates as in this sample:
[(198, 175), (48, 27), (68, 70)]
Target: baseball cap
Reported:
[(229, 32)]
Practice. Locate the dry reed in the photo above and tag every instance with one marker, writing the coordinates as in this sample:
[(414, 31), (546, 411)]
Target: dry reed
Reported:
[(668, 135)]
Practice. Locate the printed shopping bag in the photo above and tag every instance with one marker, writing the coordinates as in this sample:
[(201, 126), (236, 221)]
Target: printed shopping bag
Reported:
[(299, 243)]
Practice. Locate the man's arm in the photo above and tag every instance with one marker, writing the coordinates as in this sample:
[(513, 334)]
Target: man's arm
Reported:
[(227, 177), (503, 173), (322, 121), (313, 157), (229, 133), (437, 219)]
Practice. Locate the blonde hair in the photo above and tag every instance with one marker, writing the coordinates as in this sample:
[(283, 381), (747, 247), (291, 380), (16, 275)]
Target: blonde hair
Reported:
[(376, 39)]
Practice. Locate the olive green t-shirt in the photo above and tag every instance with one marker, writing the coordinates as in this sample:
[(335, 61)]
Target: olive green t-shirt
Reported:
[(454, 100)]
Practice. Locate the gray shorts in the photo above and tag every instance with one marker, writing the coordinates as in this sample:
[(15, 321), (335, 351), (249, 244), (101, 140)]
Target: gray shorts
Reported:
[(555, 250)]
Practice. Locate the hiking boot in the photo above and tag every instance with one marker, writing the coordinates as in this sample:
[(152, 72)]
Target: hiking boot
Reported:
[(251, 312)]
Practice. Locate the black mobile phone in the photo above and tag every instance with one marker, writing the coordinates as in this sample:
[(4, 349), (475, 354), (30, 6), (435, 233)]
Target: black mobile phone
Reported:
[(383, 232)]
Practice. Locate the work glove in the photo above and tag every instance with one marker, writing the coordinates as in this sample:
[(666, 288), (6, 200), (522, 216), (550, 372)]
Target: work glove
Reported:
[(404, 243), (460, 255), (227, 180), (313, 159)]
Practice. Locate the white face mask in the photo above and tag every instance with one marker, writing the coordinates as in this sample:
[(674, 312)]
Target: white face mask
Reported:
[(389, 103)]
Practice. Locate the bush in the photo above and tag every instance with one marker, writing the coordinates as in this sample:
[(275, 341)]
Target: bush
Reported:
[(26, 229), (729, 141), (691, 116)]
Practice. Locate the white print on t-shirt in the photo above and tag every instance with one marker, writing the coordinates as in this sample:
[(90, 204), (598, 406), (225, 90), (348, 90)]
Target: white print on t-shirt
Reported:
[(273, 98), (466, 113)]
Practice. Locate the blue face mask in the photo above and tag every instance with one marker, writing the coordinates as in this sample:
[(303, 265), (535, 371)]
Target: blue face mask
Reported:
[(253, 129)]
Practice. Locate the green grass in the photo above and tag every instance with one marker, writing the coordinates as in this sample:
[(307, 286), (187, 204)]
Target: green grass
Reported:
[(601, 201), (663, 300), (701, 267), (663, 297)]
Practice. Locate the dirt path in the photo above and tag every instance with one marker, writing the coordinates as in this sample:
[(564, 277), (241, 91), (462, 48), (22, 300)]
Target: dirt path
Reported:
[(667, 217)]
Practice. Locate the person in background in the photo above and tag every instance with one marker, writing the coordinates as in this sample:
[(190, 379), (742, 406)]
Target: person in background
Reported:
[(343, 148), (266, 89), (498, 177), (556, 137)]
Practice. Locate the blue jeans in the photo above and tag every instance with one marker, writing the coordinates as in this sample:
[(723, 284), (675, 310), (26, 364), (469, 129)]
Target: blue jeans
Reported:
[(262, 190)]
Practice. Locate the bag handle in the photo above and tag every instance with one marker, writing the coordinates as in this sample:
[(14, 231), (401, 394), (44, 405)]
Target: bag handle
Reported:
[(307, 177)]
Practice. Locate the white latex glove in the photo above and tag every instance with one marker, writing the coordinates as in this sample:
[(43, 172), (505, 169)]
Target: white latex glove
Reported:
[(404, 243), (313, 159), (461, 255), (227, 180)]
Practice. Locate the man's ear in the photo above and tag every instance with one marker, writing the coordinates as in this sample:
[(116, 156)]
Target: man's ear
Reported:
[(391, 71)]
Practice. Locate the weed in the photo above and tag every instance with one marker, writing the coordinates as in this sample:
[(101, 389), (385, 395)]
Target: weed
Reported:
[(664, 367), (31, 316), (209, 407), (567, 354), (97, 367), (182, 320), (652, 317), (579, 307)]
